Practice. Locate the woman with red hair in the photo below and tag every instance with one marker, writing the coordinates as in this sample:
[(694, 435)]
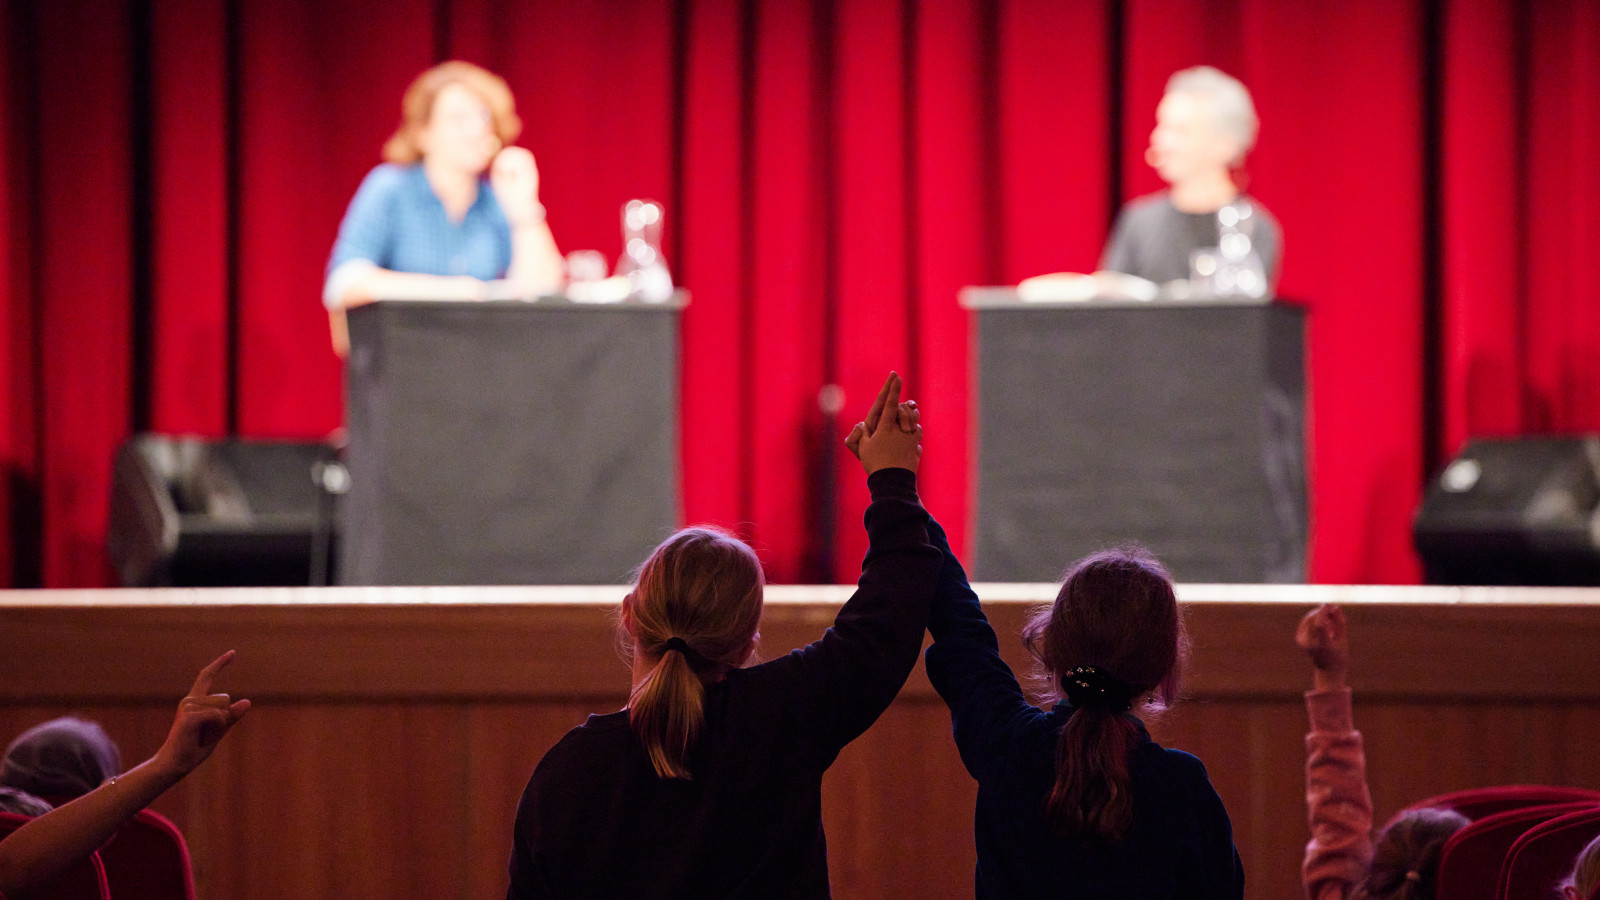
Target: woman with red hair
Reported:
[(422, 225)]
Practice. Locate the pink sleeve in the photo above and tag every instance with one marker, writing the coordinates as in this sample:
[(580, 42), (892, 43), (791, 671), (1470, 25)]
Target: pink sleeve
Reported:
[(1337, 799)]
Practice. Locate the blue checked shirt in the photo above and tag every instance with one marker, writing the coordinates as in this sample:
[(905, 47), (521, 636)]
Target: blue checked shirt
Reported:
[(396, 222)]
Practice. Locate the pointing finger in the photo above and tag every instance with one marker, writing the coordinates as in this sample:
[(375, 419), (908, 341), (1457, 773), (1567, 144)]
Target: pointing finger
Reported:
[(202, 682), (876, 411), (891, 405)]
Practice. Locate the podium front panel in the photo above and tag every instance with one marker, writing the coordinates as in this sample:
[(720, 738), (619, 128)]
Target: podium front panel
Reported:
[(1179, 427), (509, 443)]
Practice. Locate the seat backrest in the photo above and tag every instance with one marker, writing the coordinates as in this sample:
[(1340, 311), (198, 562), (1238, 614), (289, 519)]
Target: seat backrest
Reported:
[(1470, 862), (148, 859), (1539, 859), (83, 880), (1475, 803)]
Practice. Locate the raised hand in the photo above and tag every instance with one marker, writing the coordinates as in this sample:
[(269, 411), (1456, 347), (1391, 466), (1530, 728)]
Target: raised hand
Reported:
[(1323, 636), (514, 176), (40, 850), (202, 719), (898, 443), (909, 417)]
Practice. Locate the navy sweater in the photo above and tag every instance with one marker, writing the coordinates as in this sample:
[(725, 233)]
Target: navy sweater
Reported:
[(596, 821), (1181, 842)]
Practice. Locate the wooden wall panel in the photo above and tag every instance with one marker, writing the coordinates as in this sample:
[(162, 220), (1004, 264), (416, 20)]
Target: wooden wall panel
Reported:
[(505, 742), (898, 807), (394, 729)]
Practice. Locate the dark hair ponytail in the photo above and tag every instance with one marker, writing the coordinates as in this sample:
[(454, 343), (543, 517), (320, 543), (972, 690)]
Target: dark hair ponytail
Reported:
[(1091, 794), (1114, 633), (1405, 857)]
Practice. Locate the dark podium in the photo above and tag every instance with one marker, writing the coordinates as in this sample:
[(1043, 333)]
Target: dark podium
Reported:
[(509, 442), (1177, 425)]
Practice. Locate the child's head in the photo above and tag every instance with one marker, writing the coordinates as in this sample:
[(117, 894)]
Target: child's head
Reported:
[(1405, 857), (60, 759), (1116, 610), (1114, 635), (1584, 882), (693, 611)]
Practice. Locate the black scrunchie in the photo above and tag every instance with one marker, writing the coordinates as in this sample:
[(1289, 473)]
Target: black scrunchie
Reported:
[(1094, 687), (696, 661)]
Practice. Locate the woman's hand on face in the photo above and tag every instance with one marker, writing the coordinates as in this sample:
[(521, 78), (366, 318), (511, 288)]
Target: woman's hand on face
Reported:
[(514, 176)]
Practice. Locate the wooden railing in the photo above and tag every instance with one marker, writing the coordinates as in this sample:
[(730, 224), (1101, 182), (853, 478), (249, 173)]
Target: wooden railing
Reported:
[(394, 728)]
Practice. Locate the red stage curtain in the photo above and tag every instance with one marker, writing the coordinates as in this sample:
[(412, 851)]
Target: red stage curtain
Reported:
[(187, 235), (18, 459), (1562, 225), (1521, 220), (833, 172), (1339, 164), (76, 156)]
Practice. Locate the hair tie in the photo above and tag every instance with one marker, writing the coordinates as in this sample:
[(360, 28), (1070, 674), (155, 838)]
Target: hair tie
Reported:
[(1413, 876), (676, 643), (1092, 686)]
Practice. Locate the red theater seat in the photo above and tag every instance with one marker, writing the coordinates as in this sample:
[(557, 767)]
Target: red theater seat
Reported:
[(1542, 856), (1475, 803), (148, 859), (1470, 863), (84, 880)]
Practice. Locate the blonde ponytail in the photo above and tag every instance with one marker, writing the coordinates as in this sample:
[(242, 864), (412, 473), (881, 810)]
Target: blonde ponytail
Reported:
[(666, 710), (694, 609)]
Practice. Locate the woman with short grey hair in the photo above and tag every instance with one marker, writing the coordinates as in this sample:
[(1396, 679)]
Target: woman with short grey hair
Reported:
[(1203, 234)]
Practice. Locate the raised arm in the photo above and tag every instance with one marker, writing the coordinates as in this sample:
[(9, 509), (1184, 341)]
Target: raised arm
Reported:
[(1339, 805), (536, 264), (964, 662), (41, 849), (858, 666)]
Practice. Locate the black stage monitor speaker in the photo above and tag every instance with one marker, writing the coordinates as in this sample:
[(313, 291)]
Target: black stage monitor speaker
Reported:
[(187, 512), (1514, 512)]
